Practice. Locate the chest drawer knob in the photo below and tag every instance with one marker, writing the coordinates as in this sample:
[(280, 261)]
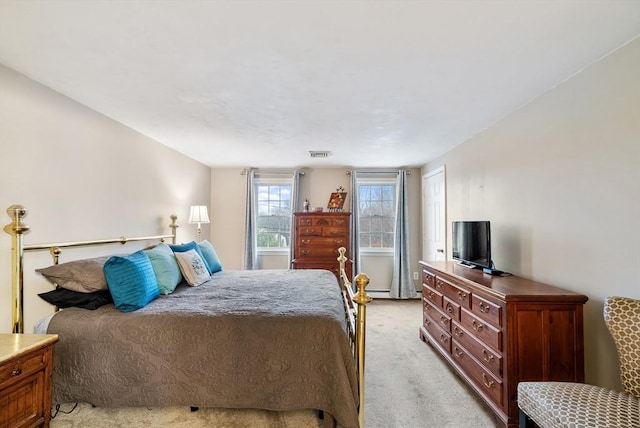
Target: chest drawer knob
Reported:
[(487, 356), (306, 241), (462, 296), (444, 320), (305, 252), (477, 326), (484, 308), (458, 352), (16, 372), (444, 338), (458, 332)]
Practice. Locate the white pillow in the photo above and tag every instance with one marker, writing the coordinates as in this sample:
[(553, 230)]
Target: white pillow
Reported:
[(192, 267)]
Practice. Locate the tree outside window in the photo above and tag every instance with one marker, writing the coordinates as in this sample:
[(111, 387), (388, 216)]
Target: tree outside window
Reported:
[(273, 217), (376, 216)]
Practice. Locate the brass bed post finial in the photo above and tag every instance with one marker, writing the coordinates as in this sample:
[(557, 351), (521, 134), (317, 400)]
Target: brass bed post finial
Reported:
[(361, 298), (16, 229), (174, 226)]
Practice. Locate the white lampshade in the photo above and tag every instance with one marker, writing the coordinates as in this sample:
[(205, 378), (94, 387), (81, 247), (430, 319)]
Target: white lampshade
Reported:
[(198, 214)]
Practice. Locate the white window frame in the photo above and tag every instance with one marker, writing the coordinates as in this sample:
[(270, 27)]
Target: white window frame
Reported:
[(373, 182), (272, 181)]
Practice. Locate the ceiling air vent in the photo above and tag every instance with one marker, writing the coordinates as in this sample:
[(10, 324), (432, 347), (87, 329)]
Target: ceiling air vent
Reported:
[(319, 154)]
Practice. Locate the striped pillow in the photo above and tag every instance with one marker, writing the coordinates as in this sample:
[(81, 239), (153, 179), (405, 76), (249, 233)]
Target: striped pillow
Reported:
[(131, 281)]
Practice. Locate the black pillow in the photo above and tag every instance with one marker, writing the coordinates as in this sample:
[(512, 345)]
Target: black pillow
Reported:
[(63, 298)]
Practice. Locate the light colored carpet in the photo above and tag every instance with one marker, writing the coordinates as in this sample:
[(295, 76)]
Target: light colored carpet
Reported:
[(407, 386)]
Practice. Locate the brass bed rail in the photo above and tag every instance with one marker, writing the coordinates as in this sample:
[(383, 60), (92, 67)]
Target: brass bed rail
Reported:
[(356, 312), (17, 229)]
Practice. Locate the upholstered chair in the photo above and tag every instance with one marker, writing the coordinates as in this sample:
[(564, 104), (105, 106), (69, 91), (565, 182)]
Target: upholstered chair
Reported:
[(577, 405)]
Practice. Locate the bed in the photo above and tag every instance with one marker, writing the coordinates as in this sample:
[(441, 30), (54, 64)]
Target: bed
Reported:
[(261, 339)]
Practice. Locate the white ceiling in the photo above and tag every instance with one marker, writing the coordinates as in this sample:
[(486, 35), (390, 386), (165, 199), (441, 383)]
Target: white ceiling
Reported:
[(260, 83)]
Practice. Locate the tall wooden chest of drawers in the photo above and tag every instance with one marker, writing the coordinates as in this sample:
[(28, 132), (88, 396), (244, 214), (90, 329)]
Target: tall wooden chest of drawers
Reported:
[(499, 331), (25, 379), (317, 239)]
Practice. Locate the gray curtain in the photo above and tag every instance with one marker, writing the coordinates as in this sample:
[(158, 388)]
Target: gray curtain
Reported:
[(354, 237), (295, 207), (402, 285), (251, 237)]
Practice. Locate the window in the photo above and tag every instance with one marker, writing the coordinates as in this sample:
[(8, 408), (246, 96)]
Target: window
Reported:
[(273, 213), (377, 213)]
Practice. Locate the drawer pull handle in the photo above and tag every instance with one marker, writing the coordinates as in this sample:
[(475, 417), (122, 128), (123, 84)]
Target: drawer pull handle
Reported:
[(458, 352), (16, 372), (477, 327), (449, 308), (305, 252), (427, 322), (338, 241), (306, 241), (443, 338), (430, 294), (487, 356), (439, 284), (458, 332), (487, 382), (444, 319), (484, 308), (462, 296)]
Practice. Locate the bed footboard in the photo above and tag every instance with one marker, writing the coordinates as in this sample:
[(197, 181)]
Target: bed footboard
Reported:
[(356, 313)]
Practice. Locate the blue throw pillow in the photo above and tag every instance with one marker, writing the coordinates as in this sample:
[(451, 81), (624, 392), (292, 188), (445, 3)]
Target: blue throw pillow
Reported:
[(210, 256), (190, 246), (165, 267), (131, 280)]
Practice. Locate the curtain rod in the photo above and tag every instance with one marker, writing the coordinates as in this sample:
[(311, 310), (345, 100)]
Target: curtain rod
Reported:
[(378, 172), (275, 172)]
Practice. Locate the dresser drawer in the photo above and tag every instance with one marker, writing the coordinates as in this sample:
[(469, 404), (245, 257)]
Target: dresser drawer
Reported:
[(320, 241), (309, 231), (484, 379), (438, 335), (317, 251), (428, 279), (437, 316), (484, 331), (304, 221), (486, 310), (334, 231), (458, 294), (491, 359), (21, 368), (432, 295)]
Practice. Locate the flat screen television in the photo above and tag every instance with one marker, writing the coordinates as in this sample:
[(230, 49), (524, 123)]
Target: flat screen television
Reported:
[(471, 243)]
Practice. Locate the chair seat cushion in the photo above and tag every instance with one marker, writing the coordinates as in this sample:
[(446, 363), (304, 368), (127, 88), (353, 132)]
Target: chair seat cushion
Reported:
[(564, 404)]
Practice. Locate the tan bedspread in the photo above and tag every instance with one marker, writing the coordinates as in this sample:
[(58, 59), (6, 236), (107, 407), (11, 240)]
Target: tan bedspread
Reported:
[(269, 339)]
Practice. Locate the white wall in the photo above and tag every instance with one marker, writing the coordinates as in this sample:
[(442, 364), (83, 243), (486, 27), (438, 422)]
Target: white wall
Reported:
[(82, 176), (560, 181)]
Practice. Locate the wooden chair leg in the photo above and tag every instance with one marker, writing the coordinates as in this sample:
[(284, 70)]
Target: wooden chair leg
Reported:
[(525, 421)]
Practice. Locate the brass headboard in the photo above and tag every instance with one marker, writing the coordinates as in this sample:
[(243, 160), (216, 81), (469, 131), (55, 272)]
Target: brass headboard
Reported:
[(17, 228)]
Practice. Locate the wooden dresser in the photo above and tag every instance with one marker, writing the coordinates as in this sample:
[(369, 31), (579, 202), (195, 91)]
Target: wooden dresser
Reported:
[(25, 379), (318, 237), (498, 331)]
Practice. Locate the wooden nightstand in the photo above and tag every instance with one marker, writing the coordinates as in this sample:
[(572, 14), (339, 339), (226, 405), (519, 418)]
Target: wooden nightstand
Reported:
[(25, 379)]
